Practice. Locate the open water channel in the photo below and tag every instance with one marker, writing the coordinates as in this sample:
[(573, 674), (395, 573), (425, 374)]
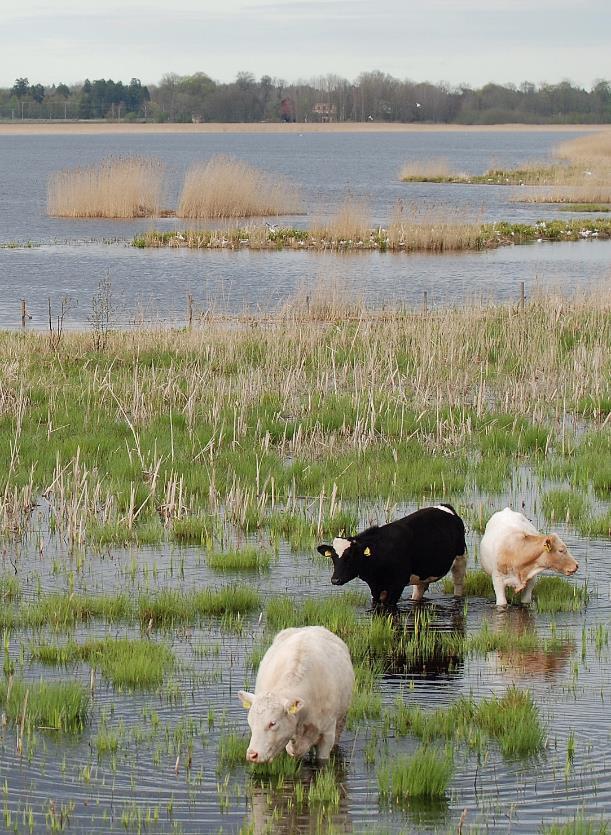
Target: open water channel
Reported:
[(70, 257)]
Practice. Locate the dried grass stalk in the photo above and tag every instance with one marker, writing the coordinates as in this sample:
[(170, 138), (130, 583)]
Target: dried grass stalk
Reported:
[(225, 187), (114, 187)]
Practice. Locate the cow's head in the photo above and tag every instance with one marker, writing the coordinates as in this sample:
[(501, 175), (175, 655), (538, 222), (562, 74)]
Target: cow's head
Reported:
[(272, 720), (347, 556), (557, 556)]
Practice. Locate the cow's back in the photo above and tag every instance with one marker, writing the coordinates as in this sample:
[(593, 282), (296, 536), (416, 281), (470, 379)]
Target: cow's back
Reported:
[(503, 531), (425, 543), (311, 662)]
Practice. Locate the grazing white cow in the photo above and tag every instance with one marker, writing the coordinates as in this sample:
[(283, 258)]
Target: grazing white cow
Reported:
[(513, 552), (302, 695)]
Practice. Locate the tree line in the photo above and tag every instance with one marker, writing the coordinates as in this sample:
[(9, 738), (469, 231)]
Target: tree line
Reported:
[(373, 96)]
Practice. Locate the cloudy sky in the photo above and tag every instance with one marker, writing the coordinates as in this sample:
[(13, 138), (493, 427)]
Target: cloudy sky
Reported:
[(457, 41)]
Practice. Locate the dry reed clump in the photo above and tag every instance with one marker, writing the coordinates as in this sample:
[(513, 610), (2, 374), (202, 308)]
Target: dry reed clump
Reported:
[(587, 176), (349, 224), (225, 187), (432, 230), (591, 147), (329, 300), (114, 187), (436, 169)]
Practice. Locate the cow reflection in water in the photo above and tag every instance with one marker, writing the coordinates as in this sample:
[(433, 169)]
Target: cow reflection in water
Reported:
[(441, 663), (286, 811), (538, 662)]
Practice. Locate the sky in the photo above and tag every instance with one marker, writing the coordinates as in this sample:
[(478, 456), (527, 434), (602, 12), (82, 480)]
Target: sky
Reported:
[(454, 41)]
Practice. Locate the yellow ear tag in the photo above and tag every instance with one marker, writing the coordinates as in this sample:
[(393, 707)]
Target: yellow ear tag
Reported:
[(367, 551), (548, 546), (328, 553), (246, 704), (292, 709)]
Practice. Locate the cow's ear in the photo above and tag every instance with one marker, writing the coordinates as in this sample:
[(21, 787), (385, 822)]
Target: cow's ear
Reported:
[(293, 705), (246, 698), (325, 550), (548, 544)]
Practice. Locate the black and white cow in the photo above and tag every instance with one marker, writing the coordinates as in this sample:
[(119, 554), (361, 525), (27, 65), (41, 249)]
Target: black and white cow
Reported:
[(415, 550)]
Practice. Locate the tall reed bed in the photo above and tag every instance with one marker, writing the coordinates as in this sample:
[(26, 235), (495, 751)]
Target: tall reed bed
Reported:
[(294, 414), (119, 187), (229, 188)]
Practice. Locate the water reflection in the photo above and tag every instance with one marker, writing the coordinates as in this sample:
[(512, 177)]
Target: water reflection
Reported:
[(420, 649), (546, 663), (279, 808)]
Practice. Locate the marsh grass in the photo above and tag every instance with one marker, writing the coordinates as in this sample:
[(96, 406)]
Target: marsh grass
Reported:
[(550, 594), (10, 588), (323, 790), (169, 606), (56, 706), (567, 506), (119, 187), (434, 170), (512, 720), (585, 207), (554, 594), (426, 774), (192, 530), (350, 223), (229, 188), (126, 663), (278, 423), (232, 750), (433, 230), (63, 611), (592, 146), (579, 826), (246, 559)]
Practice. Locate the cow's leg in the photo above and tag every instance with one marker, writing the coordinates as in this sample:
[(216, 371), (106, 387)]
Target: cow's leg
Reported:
[(326, 742), (339, 727), (527, 594), (459, 569), (499, 590), (392, 597), (418, 591)]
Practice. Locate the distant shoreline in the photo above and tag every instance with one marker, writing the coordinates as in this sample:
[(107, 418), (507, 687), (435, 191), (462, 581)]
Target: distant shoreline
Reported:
[(43, 128)]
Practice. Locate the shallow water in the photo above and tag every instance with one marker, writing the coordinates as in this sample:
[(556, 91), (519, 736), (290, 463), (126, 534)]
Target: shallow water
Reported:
[(570, 688), (71, 258)]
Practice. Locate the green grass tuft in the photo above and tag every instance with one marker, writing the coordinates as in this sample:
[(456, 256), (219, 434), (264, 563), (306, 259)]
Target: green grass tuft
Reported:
[(57, 706), (426, 774), (133, 664)]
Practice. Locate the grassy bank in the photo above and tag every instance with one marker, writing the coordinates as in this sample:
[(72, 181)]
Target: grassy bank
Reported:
[(436, 235)]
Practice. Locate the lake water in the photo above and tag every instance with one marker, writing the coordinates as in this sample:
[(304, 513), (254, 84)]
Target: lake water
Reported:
[(71, 256)]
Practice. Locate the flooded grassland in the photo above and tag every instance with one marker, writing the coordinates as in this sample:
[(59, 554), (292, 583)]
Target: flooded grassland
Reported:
[(162, 495)]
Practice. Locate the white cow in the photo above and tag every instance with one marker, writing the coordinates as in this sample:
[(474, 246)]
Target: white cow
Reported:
[(302, 695), (513, 552)]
